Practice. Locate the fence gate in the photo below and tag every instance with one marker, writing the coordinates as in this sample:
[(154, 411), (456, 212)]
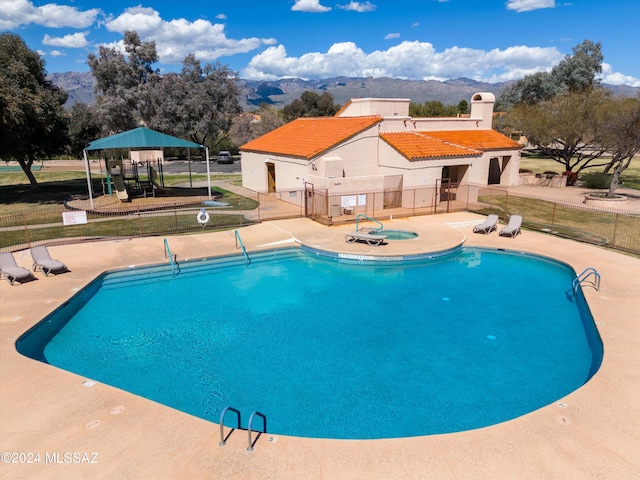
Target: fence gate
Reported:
[(308, 200)]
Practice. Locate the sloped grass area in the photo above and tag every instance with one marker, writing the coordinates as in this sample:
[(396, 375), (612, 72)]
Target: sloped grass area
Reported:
[(600, 228)]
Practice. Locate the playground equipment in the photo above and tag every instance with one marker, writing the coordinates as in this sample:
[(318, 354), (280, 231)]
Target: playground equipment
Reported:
[(124, 178)]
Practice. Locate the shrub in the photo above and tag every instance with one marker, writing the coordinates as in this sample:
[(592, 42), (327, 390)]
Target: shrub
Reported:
[(572, 178), (596, 179), (549, 172), (525, 170)]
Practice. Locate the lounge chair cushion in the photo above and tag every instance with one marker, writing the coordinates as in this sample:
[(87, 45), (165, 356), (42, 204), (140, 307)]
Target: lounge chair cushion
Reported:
[(513, 228), (43, 261), (10, 269), (373, 240), (488, 226)]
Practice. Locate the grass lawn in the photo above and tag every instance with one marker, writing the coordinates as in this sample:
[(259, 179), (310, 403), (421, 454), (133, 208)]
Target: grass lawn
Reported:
[(539, 164), (55, 186)]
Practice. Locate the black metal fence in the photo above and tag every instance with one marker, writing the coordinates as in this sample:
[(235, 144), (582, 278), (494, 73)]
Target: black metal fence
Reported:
[(601, 226)]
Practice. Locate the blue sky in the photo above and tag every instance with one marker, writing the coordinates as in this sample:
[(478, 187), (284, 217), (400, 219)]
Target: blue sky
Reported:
[(485, 40)]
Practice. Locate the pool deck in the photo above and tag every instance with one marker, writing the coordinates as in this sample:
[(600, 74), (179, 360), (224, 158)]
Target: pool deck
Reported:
[(592, 433)]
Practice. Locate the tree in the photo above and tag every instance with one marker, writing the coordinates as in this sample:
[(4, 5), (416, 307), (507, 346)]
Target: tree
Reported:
[(566, 127), (252, 125), (199, 103), (620, 136), (435, 108), (121, 80), (310, 104), (32, 123), (83, 128), (575, 73)]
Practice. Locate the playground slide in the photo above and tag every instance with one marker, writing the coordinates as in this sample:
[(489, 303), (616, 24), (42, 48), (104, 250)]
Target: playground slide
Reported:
[(154, 176), (121, 190)]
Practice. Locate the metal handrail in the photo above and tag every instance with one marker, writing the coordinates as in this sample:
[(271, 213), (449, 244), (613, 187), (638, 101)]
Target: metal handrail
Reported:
[(250, 429), (223, 440), (362, 215), (244, 250), (167, 253), (586, 273)]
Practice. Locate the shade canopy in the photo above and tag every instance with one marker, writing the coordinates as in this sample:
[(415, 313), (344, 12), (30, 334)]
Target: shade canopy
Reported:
[(140, 137)]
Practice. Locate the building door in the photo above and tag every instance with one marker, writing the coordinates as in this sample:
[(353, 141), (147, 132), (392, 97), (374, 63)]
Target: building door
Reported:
[(494, 172), (271, 177)]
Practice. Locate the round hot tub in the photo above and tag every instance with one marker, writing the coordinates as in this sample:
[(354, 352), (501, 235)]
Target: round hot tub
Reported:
[(397, 234)]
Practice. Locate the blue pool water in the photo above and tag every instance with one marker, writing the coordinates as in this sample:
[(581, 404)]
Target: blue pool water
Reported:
[(334, 349)]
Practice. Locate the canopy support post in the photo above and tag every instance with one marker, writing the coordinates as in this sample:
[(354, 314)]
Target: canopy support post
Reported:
[(88, 171), (208, 171)]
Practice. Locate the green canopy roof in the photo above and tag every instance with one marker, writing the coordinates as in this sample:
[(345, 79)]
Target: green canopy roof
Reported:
[(140, 138)]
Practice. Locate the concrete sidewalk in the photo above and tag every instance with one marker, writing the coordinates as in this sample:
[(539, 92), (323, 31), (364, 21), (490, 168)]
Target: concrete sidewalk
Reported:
[(592, 433)]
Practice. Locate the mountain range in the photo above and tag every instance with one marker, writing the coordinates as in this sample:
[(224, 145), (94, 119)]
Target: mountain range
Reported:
[(80, 86)]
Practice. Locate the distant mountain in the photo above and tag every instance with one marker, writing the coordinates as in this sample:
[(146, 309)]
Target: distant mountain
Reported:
[(79, 86), (279, 93), (343, 89)]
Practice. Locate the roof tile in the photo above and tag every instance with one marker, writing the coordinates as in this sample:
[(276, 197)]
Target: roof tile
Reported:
[(414, 145), (309, 137)]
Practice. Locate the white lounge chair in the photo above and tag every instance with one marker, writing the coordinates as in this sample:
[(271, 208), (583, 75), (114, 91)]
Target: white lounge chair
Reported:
[(10, 270), (373, 240), (513, 227), (43, 261), (488, 226)]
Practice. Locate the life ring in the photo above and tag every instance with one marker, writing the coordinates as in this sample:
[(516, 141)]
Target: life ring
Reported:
[(203, 217)]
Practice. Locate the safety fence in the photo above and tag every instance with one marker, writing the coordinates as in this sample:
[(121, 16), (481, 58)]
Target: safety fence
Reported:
[(111, 219)]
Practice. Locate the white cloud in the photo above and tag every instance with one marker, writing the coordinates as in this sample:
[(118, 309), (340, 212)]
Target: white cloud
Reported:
[(221, 16), (312, 6), (358, 7), (529, 5), (17, 13), (177, 38), (57, 53), (614, 78), (391, 36), (75, 40), (410, 60)]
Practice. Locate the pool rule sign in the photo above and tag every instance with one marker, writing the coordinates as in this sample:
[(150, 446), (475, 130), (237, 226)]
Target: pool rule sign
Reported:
[(74, 218)]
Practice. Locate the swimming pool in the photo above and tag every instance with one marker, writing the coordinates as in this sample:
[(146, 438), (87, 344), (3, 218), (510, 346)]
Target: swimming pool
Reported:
[(334, 349)]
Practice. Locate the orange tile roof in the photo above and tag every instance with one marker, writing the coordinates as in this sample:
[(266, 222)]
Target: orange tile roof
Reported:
[(309, 137), (449, 143), (414, 145), (477, 139)]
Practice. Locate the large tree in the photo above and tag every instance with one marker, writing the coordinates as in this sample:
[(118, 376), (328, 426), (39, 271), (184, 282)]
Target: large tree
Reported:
[(566, 127), (310, 104), (200, 102), (121, 78), (248, 126), (620, 136), (575, 73), (32, 123)]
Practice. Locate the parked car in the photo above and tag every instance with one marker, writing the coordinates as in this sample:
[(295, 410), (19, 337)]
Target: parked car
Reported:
[(225, 157)]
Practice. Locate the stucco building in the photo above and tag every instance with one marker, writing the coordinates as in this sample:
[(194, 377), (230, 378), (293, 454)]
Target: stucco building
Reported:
[(373, 145)]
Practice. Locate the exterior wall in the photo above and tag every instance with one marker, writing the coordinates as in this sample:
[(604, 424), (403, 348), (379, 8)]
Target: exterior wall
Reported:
[(361, 163), (290, 173), (146, 155), (386, 107)]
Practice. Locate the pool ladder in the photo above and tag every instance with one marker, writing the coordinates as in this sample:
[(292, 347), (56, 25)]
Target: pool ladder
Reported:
[(172, 258), (586, 274), (223, 439), (239, 244)]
